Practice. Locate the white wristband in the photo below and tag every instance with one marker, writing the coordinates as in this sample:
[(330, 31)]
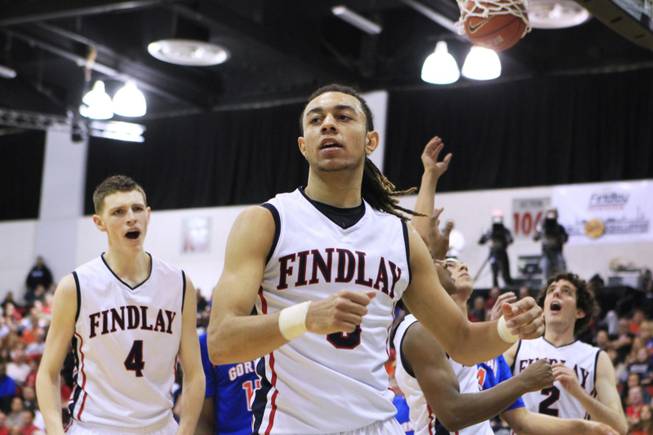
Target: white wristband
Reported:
[(292, 320), (504, 332)]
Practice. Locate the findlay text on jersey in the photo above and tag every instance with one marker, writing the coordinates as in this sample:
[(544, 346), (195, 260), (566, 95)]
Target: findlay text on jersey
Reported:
[(129, 317), (350, 266), (581, 374)]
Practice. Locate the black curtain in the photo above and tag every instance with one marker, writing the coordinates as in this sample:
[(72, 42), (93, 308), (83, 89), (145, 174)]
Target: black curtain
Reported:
[(21, 173), (532, 132), (213, 159)]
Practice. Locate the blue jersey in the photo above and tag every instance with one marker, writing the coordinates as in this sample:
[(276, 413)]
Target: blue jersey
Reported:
[(232, 387), (492, 373), (403, 413)]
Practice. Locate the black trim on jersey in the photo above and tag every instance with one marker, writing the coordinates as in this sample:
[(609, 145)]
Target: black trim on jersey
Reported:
[(596, 365), (183, 291), (404, 228), (344, 217), (78, 390), (123, 282), (277, 228), (260, 397), (404, 361), (514, 359), (562, 345), (79, 295)]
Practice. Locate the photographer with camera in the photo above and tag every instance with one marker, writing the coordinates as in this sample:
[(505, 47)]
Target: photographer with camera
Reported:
[(553, 236), (499, 237)]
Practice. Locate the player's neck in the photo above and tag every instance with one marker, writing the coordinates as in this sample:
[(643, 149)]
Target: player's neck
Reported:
[(133, 267), (339, 189), (559, 335)]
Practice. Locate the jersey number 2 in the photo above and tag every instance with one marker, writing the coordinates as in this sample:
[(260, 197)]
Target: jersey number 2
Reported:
[(545, 405), (134, 360), (345, 340)]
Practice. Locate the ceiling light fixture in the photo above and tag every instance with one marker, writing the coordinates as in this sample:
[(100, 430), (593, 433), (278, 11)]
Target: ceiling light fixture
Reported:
[(7, 73), (188, 52), (129, 101), (482, 64), (440, 67), (96, 104), (356, 20)]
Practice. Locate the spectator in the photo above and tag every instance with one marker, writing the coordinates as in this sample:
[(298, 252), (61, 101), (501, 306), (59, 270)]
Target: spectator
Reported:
[(18, 369), (7, 388), (477, 313), (28, 427), (29, 398), (38, 275), (495, 292), (602, 340), (642, 366), (14, 418), (524, 292), (636, 321), (553, 236), (4, 429)]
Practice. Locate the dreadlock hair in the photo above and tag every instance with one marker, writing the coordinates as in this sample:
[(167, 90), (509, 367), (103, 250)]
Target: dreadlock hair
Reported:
[(376, 189)]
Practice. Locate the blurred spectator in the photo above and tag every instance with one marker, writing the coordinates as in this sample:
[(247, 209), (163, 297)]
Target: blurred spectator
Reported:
[(602, 340), (7, 388), (4, 429), (14, 418), (636, 321), (495, 292), (642, 366), (524, 292), (622, 343), (29, 398), (477, 313), (553, 236), (18, 369), (643, 425), (27, 427), (38, 275), (499, 237)]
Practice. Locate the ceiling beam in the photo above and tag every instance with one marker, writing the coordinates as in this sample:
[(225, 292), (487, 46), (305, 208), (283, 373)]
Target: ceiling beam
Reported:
[(221, 19), (101, 68), (23, 12), (158, 81)]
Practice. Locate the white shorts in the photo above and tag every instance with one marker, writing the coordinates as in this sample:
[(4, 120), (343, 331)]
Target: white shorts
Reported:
[(388, 427), (81, 428)]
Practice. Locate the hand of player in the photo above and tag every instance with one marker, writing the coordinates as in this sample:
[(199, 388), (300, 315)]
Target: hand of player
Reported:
[(524, 318), (341, 312), (438, 242), (596, 428), (430, 157), (537, 376), (504, 298), (567, 378)]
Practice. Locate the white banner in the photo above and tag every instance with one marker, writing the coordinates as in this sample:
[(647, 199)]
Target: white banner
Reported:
[(527, 213), (606, 212)]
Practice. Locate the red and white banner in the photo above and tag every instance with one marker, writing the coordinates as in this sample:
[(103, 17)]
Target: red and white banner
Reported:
[(527, 213)]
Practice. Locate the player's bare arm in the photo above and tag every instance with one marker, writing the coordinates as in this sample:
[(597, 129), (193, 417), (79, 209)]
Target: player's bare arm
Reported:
[(206, 423), (191, 364), (232, 325), (468, 343), (440, 385), (433, 170), (606, 407), (60, 334), (523, 422)]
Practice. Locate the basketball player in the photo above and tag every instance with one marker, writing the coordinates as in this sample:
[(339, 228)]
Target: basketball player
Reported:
[(440, 390), (229, 393), (586, 384), (129, 316), (325, 265)]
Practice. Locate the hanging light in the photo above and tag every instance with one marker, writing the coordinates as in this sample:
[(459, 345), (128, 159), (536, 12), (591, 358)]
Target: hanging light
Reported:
[(96, 104), (129, 101), (440, 67), (482, 64)]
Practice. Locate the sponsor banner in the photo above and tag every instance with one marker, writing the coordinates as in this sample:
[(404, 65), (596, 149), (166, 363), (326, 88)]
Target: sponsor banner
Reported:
[(527, 213), (196, 235), (606, 212)]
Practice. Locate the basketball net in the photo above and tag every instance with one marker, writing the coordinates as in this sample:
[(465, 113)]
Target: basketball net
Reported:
[(487, 8)]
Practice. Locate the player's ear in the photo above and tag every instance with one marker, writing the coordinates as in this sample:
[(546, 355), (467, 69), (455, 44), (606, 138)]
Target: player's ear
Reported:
[(580, 314), (301, 142), (371, 141), (99, 223)]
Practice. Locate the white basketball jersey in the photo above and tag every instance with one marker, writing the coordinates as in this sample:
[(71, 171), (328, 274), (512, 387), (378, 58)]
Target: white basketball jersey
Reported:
[(421, 415), (335, 383), (556, 401), (126, 342)]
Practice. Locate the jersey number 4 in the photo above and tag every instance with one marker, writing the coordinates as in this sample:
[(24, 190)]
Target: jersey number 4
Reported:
[(345, 340), (134, 360), (545, 405)]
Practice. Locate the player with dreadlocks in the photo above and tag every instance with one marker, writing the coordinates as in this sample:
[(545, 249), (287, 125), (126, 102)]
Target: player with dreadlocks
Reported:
[(324, 266)]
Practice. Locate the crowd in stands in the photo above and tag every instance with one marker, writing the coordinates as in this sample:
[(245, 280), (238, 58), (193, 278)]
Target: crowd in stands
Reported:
[(624, 331)]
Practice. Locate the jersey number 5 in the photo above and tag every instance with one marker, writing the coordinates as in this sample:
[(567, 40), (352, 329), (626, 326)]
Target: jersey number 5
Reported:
[(545, 405), (134, 360), (345, 340)]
